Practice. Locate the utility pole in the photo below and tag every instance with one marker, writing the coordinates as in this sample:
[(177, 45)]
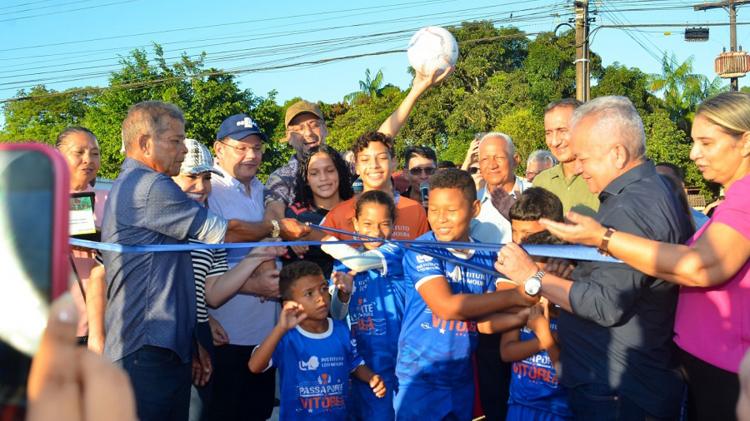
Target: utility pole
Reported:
[(583, 76), (731, 7)]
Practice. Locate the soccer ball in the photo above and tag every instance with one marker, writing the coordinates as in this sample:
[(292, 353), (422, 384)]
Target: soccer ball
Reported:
[(432, 48)]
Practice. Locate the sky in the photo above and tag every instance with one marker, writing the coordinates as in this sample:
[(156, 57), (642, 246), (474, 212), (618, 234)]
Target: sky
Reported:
[(279, 45)]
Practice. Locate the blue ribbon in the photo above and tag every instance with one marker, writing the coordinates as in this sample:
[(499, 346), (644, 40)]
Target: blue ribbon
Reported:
[(570, 252)]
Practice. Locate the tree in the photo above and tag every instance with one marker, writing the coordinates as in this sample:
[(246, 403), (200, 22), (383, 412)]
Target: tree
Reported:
[(632, 83), (368, 88), (206, 97), (44, 115), (682, 89)]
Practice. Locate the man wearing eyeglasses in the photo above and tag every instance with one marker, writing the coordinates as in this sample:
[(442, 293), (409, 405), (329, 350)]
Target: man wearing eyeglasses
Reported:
[(306, 128), (244, 319), (420, 163)]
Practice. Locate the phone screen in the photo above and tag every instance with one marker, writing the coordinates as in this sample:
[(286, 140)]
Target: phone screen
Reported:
[(29, 245)]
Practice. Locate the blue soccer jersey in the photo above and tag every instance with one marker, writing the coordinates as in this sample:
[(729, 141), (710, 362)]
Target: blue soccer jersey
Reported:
[(534, 382), (314, 369), (434, 351), (376, 309)]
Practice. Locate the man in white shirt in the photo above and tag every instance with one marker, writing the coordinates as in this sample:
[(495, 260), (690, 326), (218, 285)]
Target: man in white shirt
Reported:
[(246, 319)]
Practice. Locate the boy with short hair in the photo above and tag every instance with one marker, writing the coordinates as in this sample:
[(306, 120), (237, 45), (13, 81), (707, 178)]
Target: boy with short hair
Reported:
[(443, 300), (374, 164), (535, 393), (315, 354)]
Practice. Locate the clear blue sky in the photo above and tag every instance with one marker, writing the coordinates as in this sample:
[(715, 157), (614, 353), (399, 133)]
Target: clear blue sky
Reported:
[(66, 43)]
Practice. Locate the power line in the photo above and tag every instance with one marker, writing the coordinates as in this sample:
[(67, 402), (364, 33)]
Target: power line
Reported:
[(209, 73), (66, 11)]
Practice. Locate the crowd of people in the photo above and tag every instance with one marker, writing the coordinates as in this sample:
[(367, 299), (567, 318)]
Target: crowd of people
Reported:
[(383, 329)]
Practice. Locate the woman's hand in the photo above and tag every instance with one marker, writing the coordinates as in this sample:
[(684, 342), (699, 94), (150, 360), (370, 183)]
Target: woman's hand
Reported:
[(581, 229)]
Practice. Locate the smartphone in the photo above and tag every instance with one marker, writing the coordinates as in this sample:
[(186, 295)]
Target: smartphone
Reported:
[(34, 205)]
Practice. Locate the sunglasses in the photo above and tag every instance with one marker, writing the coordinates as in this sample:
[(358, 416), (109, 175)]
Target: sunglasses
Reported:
[(422, 170), (473, 170)]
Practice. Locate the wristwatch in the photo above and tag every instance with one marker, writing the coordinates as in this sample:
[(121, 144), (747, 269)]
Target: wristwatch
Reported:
[(276, 228), (533, 285)]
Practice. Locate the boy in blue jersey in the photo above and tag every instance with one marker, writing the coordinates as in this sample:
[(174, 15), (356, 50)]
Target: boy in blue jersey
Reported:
[(315, 355), (535, 393), (376, 294), (443, 303)]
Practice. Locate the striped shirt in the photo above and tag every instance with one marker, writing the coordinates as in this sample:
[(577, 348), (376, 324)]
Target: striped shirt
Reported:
[(206, 262)]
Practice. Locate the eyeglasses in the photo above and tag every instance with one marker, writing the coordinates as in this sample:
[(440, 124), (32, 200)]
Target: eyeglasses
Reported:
[(310, 124), (473, 170), (243, 150), (422, 170)]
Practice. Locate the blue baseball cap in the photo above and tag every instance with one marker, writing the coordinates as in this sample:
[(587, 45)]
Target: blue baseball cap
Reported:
[(238, 127)]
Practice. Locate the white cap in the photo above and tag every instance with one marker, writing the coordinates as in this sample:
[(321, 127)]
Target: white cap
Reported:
[(198, 159)]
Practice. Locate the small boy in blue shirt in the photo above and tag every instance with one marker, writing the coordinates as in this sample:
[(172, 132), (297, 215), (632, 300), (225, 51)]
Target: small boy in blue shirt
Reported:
[(535, 393), (373, 299), (315, 355), (444, 300)]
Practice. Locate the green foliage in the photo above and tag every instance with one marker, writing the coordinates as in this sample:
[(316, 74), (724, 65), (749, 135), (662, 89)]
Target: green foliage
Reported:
[(683, 90), (629, 82), (502, 82), (205, 97), (665, 142), (44, 118)]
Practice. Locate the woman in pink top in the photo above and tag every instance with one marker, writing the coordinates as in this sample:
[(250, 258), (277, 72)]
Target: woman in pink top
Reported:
[(80, 148), (712, 324)]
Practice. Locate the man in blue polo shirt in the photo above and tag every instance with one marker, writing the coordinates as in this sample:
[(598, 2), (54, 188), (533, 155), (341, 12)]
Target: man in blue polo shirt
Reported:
[(151, 296)]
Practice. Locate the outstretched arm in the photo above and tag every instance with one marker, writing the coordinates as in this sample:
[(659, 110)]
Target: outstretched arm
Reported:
[(393, 124), (715, 257)]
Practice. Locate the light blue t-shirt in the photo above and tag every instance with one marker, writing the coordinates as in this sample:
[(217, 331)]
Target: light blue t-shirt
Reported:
[(432, 350), (314, 369)]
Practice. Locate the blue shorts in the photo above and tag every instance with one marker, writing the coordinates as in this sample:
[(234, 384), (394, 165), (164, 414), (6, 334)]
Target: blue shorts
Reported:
[(427, 402), (366, 406), (518, 412)]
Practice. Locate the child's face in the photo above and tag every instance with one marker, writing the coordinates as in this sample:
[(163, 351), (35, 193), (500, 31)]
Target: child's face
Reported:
[(522, 229), (322, 176), (450, 214), (374, 220), (311, 292), (373, 165)]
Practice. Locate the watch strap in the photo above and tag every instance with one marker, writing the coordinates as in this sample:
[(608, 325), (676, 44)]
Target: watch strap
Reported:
[(604, 246)]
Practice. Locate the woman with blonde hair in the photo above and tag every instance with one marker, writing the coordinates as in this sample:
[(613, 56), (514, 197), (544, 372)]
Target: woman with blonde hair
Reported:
[(712, 323)]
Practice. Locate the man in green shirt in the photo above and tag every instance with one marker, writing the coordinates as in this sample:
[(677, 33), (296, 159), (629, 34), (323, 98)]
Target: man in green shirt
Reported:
[(563, 180)]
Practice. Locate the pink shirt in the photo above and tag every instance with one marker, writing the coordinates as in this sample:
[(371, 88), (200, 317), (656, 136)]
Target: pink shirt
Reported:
[(84, 261), (713, 324)]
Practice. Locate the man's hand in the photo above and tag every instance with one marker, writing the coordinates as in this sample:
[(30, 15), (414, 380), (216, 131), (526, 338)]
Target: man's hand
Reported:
[(559, 267), (202, 367), (218, 333), (538, 323), (515, 264), (300, 251), (267, 253), (264, 282), (292, 229), (472, 155), (291, 315)]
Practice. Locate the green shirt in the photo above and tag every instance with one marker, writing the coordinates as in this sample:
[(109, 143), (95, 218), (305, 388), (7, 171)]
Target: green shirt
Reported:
[(573, 192)]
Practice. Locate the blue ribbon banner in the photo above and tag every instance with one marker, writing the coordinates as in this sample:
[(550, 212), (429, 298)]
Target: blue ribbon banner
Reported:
[(569, 252)]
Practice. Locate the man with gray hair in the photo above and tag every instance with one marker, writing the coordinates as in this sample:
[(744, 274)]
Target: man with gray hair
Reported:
[(498, 161), (151, 309), (616, 328), (538, 161)]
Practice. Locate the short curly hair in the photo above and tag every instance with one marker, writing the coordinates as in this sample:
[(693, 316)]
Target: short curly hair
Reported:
[(453, 178), (292, 272), (364, 141)]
